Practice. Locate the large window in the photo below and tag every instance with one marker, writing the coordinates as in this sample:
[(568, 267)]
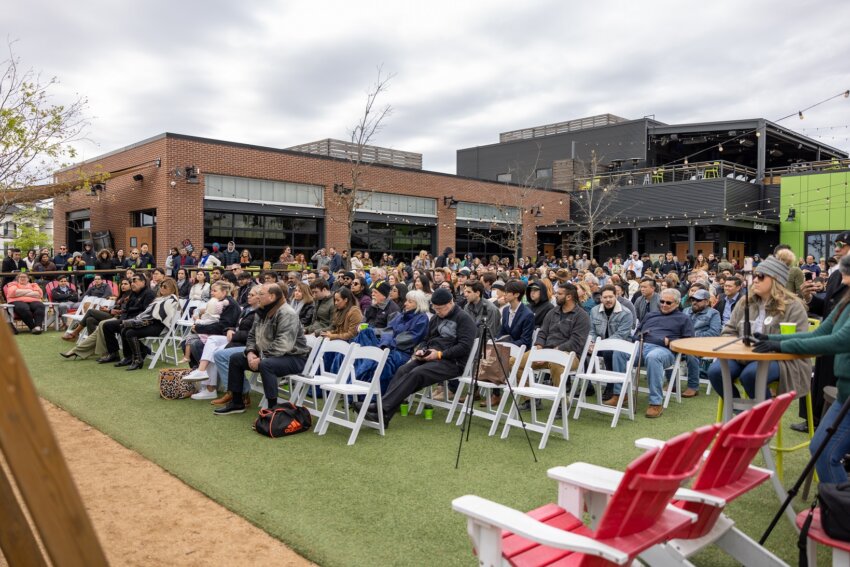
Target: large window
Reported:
[(404, 204), (484, 242), (482, 212), (403, 241), (265, 236), (263, 191), (820, 244), (79, 229)]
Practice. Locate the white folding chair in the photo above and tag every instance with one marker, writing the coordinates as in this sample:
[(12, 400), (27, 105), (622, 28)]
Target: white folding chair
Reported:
[(77, 316), (159, 345), (530, 388), (185, 322), (316, 376), (426, 396), (284, 385), (348, 384), (489, 388), (599, 376)]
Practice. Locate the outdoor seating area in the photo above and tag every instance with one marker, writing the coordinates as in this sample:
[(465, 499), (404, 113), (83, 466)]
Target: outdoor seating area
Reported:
[(416, 461)]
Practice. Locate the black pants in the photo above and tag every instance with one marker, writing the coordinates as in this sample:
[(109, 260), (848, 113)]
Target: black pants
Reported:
[(824, 375), (92, 319), (31, 313), (271, 369), (152, 330), (111, 328), (414, 376)]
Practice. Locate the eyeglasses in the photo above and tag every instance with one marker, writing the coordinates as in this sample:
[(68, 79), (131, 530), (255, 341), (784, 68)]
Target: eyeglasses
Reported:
[(134, 253), (759, 277), (665, 302), (840, 244)]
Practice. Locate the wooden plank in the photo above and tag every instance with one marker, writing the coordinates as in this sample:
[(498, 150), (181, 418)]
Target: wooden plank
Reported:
[(39, 470), (17, 539)]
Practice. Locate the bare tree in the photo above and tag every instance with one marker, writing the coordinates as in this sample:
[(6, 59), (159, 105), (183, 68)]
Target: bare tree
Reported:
[(352, 195), (593, 206), (519, 209), (36, 135)]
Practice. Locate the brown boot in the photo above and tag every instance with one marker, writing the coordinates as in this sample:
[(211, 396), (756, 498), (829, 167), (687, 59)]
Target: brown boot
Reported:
[(222, 401), (613, 401), (654, 411), (690, 393)]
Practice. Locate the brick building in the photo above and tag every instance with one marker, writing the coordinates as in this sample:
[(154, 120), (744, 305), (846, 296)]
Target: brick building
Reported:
[(172, 187)]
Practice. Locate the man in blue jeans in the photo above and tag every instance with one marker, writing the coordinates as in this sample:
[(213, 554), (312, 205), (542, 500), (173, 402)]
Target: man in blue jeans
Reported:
[(658, 329), (276, 347), (706, 322)]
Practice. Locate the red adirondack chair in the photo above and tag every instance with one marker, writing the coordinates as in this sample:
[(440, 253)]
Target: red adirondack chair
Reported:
[(726, 474), (637, 516)]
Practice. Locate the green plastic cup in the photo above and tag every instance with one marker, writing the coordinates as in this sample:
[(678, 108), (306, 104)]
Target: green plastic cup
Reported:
[(404, 409), (364, 326), (787, 328), (429, 413)]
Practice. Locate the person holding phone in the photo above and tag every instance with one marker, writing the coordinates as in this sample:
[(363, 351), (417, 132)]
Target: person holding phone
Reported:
[(442, 356)]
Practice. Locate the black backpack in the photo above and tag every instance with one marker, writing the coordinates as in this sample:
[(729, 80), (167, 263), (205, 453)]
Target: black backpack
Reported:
[(834, 502), (285, 419)]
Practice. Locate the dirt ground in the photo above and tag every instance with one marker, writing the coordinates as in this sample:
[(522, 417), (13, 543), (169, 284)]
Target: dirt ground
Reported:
[(138, 525)]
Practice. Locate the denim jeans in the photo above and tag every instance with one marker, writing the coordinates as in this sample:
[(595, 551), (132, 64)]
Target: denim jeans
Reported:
[(693, 371), (655, 358), (829, 465), (222, 363), (746, 373)]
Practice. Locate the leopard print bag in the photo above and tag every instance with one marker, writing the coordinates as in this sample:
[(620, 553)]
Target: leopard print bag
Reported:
[(172, 386)]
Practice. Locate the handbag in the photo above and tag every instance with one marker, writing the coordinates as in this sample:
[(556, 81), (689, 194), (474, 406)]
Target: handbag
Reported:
[(489, 369), (285, 419), (172, 386), (834, 501)]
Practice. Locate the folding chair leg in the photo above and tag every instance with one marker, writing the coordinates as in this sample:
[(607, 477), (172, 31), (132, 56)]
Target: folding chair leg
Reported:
[(456, 400), (506, 398), (330, 403)]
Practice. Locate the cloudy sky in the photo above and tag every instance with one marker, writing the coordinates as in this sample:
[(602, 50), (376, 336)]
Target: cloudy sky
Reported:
[(284, 73)]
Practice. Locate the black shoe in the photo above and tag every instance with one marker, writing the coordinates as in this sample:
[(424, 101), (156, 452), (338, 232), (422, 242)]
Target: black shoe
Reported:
[(123, 362), (373, 416), (229, 409), (69, 355), (802, 427), (108, 358), (526, 405), (373, 407), (136, 365)]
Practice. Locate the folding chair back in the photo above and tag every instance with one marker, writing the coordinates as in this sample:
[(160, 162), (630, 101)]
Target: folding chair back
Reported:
[(650, 482), (316, 374), (726, 470), (545, 355)]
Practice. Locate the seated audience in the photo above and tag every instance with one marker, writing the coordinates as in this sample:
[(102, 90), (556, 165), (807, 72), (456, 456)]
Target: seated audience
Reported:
[(324, 307), (706, 321), (382, 309), (26, 300), (345, 323)]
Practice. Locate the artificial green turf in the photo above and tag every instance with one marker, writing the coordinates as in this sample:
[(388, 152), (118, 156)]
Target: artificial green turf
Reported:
[(383, 501)]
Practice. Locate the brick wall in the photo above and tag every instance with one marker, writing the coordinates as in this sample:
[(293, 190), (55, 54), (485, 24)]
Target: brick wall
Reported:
[(180, 208)]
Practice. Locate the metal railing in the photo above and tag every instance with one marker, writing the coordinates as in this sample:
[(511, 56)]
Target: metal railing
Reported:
[(696, 171)]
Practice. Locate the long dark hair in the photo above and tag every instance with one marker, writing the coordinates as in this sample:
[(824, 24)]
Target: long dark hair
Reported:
[(426, 283), (348, 296)]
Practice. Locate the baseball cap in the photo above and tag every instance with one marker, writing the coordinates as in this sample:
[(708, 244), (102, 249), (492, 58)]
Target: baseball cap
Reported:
[(843, 239), (700, 295)]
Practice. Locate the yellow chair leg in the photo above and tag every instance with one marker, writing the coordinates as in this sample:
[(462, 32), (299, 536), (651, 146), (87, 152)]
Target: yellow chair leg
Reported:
[(719, 417)]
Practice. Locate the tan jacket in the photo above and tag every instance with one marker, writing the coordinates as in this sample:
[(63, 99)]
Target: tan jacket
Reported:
[(793, 374), (346, 324)]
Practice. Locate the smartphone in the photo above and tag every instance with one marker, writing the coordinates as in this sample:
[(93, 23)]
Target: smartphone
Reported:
[(808, 276)]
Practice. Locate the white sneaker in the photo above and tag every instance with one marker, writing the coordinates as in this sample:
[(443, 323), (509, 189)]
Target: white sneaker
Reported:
[(196, 376), (205, 395)]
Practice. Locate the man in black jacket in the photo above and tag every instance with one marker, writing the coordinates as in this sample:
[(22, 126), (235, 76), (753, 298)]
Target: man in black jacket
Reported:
[(824, 374), (13, 263), (142, 296), (378, 314), (441, 357), (443, 259)]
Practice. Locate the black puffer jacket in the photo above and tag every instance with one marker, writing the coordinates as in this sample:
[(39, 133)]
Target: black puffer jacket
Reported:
[(246, 321)]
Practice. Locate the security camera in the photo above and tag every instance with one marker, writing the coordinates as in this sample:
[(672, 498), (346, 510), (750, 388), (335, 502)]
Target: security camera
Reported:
[(174, 184)]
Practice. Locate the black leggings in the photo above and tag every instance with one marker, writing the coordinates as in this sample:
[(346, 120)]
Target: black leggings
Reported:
[(31, 313), (152, 330)]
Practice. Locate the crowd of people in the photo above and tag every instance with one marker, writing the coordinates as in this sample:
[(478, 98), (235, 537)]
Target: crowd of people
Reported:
[(427, 312)]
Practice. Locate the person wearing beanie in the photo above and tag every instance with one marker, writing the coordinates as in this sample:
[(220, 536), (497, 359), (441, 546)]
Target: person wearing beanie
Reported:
[(442, 356), (770, 303), (383, 309), (831, 338)]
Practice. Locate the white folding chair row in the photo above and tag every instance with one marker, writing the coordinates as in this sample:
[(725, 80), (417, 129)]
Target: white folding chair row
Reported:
[(87, 303), (529, 387), (105, 304), (489, 389), (347, 384), (598, 376), (426, 396), (317, 375)]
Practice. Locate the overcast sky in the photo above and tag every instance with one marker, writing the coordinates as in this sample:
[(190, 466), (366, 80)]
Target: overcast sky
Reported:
[(283, 73)]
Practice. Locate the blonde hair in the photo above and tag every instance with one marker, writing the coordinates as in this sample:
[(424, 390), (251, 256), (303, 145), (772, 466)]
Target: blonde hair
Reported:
[(779, 297), (786, 256)]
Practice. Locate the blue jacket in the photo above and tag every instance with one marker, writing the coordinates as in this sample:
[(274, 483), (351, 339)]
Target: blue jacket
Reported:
[(706, 322), (408, 331), (522, 330)]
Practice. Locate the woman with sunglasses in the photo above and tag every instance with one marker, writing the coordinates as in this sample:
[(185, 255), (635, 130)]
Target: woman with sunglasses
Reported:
[(832, 337), (770, 304), (158, 316), (94, 343)]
